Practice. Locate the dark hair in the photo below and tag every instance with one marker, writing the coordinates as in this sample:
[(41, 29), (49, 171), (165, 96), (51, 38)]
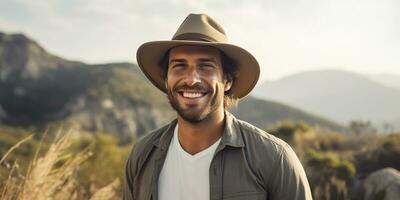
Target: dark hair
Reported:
[(229, 68)]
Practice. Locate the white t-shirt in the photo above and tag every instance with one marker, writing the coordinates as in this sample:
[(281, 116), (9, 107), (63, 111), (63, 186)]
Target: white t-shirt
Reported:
[(185, 176)]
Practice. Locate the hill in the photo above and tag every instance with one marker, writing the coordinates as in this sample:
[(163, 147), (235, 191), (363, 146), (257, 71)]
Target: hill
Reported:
[(39, 89), (264, 113), (390, 80), (338, 95)]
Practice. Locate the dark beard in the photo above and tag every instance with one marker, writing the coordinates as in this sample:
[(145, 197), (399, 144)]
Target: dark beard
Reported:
[(211, 108)]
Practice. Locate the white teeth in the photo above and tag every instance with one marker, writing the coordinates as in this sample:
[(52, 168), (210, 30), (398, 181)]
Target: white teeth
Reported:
[(192, 95)]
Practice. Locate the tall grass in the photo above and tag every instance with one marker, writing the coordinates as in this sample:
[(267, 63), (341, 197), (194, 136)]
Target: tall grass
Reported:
[(51, 176)]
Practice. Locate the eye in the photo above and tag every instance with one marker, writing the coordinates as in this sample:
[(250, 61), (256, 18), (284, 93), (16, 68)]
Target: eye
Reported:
[(178, 66), (206, 66)]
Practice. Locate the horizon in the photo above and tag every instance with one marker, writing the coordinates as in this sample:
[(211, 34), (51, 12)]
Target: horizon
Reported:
[(286, 38), (261, 81)]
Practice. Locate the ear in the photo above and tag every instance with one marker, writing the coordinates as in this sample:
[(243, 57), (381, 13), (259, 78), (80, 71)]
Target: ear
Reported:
[(228, 85)]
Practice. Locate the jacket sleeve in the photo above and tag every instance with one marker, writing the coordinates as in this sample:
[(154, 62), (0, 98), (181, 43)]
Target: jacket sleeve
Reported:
[(288, 179), (130, 171)]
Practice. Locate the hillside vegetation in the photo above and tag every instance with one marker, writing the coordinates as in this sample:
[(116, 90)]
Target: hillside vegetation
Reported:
[(336, 164)]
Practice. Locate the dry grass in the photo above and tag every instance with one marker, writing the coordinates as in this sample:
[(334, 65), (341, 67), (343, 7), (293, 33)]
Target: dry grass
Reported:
[(107, 192), (52, 176), (14, 147)]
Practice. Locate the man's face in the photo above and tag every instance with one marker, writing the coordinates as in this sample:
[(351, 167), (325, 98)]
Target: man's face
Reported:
[(195, 82)]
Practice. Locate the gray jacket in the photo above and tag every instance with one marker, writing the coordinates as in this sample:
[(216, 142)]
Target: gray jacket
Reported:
[(248, 164)]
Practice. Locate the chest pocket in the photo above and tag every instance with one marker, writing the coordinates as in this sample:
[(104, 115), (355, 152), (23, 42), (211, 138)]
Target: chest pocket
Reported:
[(239, 179)]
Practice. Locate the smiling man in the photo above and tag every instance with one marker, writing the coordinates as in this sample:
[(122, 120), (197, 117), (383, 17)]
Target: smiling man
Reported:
[(206, 153)]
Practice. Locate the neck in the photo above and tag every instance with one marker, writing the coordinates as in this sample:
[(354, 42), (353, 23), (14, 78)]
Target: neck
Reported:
[(195, 137)]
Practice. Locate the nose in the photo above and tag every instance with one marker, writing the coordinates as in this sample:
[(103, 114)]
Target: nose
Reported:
[(192, 76)]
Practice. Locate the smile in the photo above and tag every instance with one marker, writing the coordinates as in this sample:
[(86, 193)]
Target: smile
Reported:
[(192, 95)]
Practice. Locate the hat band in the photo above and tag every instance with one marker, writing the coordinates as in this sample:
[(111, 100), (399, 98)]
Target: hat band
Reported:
[(194, 37)]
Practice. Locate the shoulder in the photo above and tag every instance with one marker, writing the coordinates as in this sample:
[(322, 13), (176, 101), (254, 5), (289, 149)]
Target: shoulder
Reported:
[(261, 139), (272, 156), (266, 150)]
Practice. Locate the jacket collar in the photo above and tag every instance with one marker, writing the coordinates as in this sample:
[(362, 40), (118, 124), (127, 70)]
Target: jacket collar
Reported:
[(232, 133), (231, 136), (164, 137)]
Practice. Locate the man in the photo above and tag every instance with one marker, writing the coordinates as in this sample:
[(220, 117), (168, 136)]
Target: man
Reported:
[(206, 153)]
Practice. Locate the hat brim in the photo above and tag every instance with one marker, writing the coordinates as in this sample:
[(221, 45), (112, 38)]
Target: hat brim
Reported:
[(150, 54)]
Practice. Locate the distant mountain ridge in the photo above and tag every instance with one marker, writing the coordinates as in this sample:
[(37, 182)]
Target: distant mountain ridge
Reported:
[(24, 58), (338, 95), (265, 113), (40, 89), (389, 80)]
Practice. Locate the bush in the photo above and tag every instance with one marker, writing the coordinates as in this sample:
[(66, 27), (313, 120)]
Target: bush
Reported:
[(287, 129), (328, 175), (385, 154)]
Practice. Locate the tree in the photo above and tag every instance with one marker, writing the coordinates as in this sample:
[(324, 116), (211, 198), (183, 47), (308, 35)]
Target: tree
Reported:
[(361, 127)]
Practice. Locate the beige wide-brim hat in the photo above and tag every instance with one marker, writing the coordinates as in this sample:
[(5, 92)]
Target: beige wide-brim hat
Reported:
[(200, 30)]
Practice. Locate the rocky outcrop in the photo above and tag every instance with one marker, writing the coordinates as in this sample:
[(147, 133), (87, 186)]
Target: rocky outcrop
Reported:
[(383, 184), (125, 119), (23, 58)]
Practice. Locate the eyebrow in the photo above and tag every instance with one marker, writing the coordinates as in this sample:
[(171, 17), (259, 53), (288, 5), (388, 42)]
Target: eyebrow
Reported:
[(176, 60), (207, 60)]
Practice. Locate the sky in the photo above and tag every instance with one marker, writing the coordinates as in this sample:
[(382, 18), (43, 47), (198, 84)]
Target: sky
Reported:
[(286, 37)]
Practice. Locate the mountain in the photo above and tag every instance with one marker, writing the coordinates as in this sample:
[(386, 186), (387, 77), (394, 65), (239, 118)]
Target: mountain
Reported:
[(338, 95), (389, 80), (38, 89), (265, 113), (23, 58)]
